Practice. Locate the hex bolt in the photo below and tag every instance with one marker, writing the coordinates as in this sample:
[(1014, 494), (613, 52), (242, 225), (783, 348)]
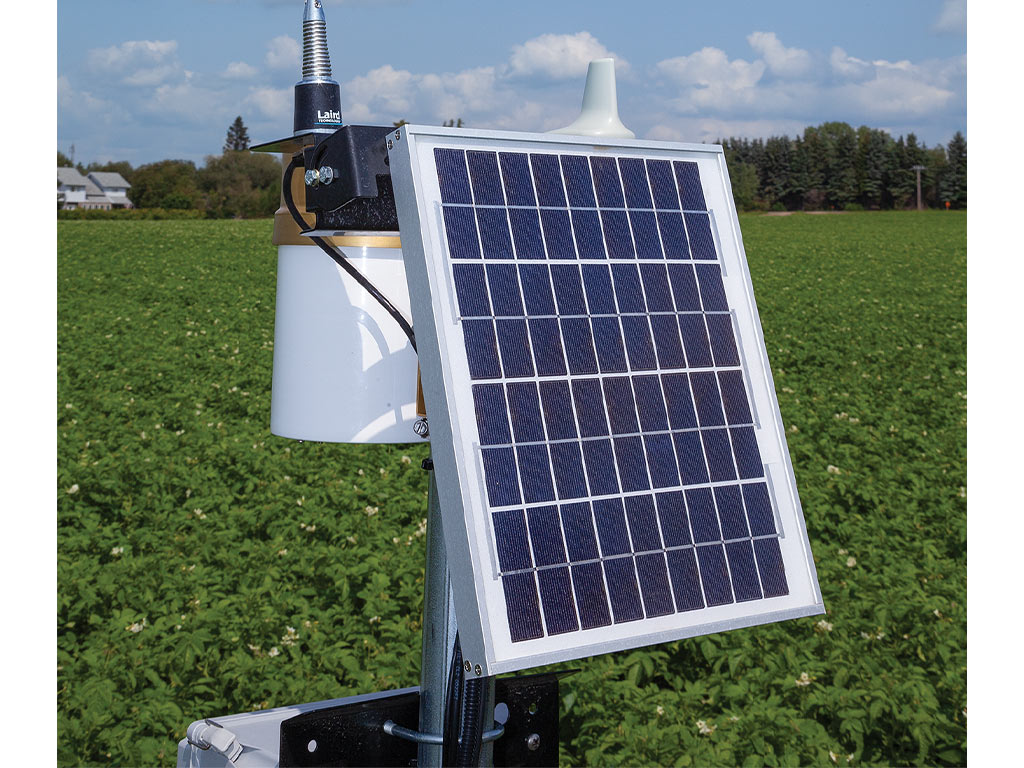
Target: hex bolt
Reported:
[(533, 742), (326, 174), (312, 177)]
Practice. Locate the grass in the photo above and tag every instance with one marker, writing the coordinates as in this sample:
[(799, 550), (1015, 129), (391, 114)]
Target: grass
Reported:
[(206, 567)]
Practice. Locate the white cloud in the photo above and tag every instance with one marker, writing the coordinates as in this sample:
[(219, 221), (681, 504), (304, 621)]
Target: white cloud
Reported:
[(781, 61), (952, 17), (560, 56), (272, 102), (138, 62), (283, 52), (239, 70)]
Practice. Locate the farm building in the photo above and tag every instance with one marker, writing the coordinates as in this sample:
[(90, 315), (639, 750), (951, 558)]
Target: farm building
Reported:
[(97, 191)]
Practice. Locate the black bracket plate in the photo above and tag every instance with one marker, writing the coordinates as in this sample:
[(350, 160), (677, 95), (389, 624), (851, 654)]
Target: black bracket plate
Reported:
[(353, 734)]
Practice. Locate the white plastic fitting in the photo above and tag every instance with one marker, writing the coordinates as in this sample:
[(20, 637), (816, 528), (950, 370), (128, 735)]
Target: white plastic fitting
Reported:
[(600, 113)]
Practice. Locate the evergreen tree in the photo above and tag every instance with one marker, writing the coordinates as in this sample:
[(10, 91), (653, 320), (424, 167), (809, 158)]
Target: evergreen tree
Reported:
[(63, 161), (238, 136), (954, 181), (873, 166), (775, 173)]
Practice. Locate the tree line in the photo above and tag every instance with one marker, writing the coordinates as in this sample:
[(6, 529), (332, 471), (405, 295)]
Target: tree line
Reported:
[(830, 167)]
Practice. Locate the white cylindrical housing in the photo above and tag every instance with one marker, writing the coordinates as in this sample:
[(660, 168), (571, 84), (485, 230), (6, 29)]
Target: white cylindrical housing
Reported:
[(344, 372)]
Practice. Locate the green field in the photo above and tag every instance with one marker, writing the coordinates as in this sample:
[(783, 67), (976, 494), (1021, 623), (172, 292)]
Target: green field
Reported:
[(207, 567)]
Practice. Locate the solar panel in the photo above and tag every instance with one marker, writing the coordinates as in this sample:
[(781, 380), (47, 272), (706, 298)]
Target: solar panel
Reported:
[(608, 449)]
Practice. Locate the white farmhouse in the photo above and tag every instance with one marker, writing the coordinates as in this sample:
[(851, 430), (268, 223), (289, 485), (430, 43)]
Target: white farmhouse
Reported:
[(98, 191), (114, 186)]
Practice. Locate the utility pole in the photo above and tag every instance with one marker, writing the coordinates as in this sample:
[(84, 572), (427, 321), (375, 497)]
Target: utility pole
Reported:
[(919, 168)]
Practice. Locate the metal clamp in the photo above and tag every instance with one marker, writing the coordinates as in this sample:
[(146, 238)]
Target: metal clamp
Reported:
[(391, 728)]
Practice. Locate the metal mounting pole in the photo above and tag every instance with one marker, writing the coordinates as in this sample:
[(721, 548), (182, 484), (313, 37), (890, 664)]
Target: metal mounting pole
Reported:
[(438, 632)]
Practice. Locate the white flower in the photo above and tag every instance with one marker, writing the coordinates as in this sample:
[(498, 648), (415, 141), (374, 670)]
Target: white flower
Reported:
[(374, 620), (659, 710), (834, 757), (804, 680), (937, 613), (117, 551), (850, 562), (406, 460), (282, 552), (137, 626), (705, 729), (834, 470), (73, 488), (371, 511), (823, 626), (199, 513), (275, 651)]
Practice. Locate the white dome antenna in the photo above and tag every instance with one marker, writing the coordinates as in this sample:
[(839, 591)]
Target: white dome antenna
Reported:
[(600, 113)]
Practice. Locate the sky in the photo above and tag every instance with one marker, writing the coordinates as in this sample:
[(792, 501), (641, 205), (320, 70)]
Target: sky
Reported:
[(145, 81)]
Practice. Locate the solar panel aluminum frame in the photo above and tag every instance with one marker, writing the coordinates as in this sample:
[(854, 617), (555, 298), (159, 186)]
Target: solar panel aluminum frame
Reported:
[(479, 598)]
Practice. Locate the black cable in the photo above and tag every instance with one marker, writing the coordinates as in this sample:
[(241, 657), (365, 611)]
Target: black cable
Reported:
[(472, 723), (340, 258), (453, 707)]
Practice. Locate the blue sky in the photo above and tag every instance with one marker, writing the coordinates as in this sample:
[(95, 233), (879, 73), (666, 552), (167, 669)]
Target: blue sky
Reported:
[(143, 81)]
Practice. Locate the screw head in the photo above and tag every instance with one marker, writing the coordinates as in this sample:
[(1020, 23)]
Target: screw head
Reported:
[(479, 670), (312, 177), (326, 174), (390, 144), (469, 666), (422, 428), (533, 742), (398, 135)]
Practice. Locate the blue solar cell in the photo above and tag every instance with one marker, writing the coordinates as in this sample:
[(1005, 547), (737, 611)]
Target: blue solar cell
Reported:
[(663, 184), (759, 509), (695, 340), (483, 172), (666, 341), (675, 528), (535, 473), (698, 228), (623, 592), (618, 397), (548, 180), (611, 527), (536, 282), (684, 287), (704, 521), (606, 182), (650, 403), (690, 455), (526, 233), (654, 586), (452, 176), (611, 354), (673, 235), (769, 563), (597, 454), (460, 226), (545, 535), (715, 574), (579, 345), (639, 347), (598, 282), (578, 184), (690, 191), (505, 294), (748, 457), (481, 349), (661, 460), (491, 414), (616, 235), (522, 607), (712, 290), (578, 525), (557, 405), (643, 523), (589, 239), (567, 463), (568, 284), (716, 447), (588, 583), (730, 512), (514, 343), (512, 540), (557, 234), (634, 182), (734, 397), (706, 399), (524, 408), (745, 583), (656, 288), (556, 597), (645, 235), (682, 570), (547, 347), (471, 289), (723, 342), (628, 290), (629, 456), (515, 170), (589, 407), (500, 477), (494, 235), (679, 401)]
